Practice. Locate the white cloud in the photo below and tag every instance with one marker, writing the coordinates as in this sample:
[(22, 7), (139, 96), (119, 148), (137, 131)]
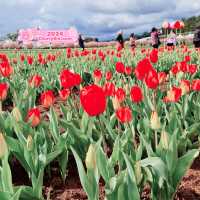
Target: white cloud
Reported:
[(93, 17)]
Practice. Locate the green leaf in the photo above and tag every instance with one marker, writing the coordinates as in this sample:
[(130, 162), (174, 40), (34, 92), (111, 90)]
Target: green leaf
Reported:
[(147, 146), (54, 125), (158, 167), (84, 122), (115, 153), (83, 177), (5, 195), (27, 194), (13, 144), (38, 183), (102, 163), (193, 128), (64, 111), (63, 160), (6, 176), (113, 120), (183, 165), (73, 131), (17, 194), (108, 127), (122, 193), (133, 192)]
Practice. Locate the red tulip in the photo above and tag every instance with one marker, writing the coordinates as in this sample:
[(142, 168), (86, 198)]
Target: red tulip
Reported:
[(177, 25), (183, 66), (5, 69), (97, 74), (196, 85), (64, 94), (33, 117), (30, 60), (151, 79), (53, 57), (175, 69), (3, 91), (14, 61), (35, 81), (94, 51), (3, 58), (143, 51), (68, 50), (154, 56), (120, 94), (128, 70), (142, 69), (124, 114), (69, 79), (136, 94), (192, 69), (49, 57), (120, 67), (47, 98), (22, 57), (109, 89), (162, 77), (108, 75), (93, 100), (187, 58)]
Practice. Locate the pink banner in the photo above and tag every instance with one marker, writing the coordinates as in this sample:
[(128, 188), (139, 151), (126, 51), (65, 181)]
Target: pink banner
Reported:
[(48, 36)]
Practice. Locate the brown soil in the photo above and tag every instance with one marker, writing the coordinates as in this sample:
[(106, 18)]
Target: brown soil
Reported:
[(72, 189), (189, 188)]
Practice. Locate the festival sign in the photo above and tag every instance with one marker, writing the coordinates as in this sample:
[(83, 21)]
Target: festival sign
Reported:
[(48, 36)]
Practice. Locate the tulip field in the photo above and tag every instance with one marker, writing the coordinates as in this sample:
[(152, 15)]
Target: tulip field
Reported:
[(126, 121)]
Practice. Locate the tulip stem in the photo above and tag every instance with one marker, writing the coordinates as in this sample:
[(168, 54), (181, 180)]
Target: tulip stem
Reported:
[(105, 147), (133, 134), (156, 140), (0, 107)]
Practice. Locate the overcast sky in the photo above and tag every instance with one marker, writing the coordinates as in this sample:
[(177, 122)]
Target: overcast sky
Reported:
[(93, 17)]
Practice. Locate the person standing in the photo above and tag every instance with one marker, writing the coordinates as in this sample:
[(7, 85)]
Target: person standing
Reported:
[(81, 42), (132, 41), (196, 39), (155, 41), (120, 40)]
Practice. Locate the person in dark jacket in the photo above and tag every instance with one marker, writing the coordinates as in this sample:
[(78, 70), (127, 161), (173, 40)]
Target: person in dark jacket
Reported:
[(81, 42), (120, 40), (196, 39)]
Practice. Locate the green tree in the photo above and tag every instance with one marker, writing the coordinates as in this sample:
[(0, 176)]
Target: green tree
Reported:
[(12, 36)]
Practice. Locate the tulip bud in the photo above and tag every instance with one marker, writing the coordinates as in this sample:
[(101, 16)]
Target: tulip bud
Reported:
[(81, 87), (29, 143), (26, 93), (127, 89), (96, 80), (155, 121), (179, 75), (16, 114), (116, 104), (164, 140), (138, 172), (90, 160), (3, 146)]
